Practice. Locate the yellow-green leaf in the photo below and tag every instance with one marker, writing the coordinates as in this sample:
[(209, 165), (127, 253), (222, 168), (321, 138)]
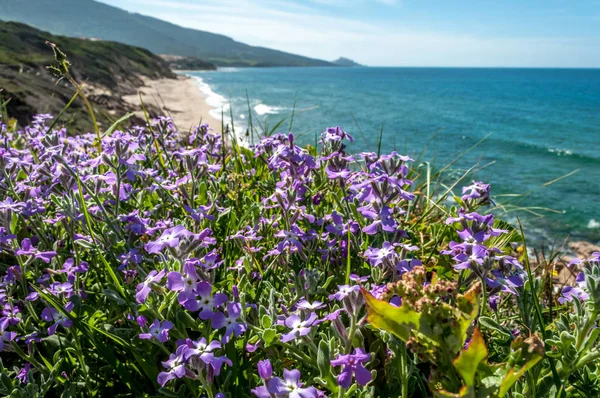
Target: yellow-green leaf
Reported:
[(531, 351), (399, 321), (471, 358)]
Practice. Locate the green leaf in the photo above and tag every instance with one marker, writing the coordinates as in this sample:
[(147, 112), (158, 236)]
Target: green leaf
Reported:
[(7, 383), (400, 321), (268, 336), (266, 321), (115, 124), (526, 353), (470, 359), (113, 296), (490, 323), (186, 319), (351, 390), (324, 365)]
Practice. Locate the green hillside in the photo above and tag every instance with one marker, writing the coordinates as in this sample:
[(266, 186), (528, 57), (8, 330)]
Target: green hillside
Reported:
[(92, 19), (108, 69)]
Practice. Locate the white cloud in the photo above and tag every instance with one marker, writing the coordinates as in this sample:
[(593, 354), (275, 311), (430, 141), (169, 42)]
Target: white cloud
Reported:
[(301, 29)]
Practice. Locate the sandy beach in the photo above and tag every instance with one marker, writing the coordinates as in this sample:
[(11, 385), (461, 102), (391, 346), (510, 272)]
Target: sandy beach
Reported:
[(179, 98)]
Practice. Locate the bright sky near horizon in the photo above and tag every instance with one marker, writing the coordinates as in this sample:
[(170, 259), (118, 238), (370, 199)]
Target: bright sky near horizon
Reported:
[(545, 33)]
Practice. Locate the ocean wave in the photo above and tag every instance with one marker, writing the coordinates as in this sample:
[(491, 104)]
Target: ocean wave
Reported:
[(262, 109), (217, 102), (560, 152), (529, 148)]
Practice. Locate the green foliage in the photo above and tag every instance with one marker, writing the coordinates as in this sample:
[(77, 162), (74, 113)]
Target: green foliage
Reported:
[(432, 323), (484, 380)]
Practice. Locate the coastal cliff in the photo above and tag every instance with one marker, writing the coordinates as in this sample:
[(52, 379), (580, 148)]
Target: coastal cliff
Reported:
[(107, 70)]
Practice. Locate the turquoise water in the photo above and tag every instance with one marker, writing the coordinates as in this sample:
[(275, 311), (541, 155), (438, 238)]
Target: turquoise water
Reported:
[(544, 123)]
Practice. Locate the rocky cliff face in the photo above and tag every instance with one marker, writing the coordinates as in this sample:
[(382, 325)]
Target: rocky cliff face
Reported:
[(107, 70)]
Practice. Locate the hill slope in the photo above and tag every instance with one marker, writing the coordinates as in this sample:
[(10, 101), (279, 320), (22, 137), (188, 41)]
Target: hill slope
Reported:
[(109, 70), (92, 19), (341, 61)]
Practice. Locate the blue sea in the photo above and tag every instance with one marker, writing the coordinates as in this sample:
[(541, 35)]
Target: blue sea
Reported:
[(542, 124)]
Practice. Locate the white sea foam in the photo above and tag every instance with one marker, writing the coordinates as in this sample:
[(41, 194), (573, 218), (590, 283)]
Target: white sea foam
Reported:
[(560, 152), (217, 102), (262, 109), (593, 224), (220, 106), (227, 69)]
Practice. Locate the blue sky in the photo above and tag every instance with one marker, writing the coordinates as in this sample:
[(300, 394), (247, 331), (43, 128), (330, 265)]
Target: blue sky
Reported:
[(550, 33)]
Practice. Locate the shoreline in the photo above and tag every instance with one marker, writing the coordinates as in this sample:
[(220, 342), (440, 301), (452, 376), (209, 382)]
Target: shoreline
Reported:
[(187, 105)]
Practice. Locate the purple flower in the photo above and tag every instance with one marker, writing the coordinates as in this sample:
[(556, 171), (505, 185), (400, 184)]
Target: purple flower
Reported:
[(158, 330), (141, 320), (9, 204), (27, 249), (382, 218), (290, 386), (494, 301), (31, 338), (252, 347), (476, 228), (292, 238), (211, 260), (169, 238), (569, 293), (353, 364), (23, 375), (377, 256), (5, 336), (200, 213), (229, 322), (132, 257), (50, 314), (392, 165), (261, 392), (214, 368), (297, 326), (175, 366), (335, 134), (305, 305), (465, 260), (477, 193), (205, 302), (70, 269), (265, 370), (593, 260), (343, 292), (143, 289), (508, 283), (201, 350), (10, 315), (6, 237), (406, 265), (185, 284), (58, 289)]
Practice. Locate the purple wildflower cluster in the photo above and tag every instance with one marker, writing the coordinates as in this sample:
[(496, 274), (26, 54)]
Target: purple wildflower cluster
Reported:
[(193, 359), (290, 386), (185, 262), (580, 289), (496, 269)]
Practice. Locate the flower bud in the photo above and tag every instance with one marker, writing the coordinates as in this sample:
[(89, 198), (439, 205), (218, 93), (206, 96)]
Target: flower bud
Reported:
[(265, 370)]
